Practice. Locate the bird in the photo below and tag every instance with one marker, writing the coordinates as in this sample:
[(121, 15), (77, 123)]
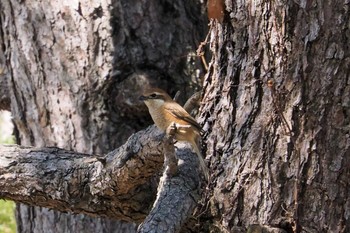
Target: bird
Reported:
[(165, 112)]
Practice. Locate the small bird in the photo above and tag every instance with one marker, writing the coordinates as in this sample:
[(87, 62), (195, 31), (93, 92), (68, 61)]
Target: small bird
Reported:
[(165, 111)]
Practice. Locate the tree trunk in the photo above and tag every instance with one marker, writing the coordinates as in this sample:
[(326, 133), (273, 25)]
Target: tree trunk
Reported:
[(275, 108), (276, 116), (74, 70)]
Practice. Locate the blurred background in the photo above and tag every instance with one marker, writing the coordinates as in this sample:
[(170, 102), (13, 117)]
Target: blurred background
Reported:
[(7, 216)]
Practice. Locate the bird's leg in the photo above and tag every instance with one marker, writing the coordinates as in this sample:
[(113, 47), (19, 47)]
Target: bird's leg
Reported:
[(171, 130), (173, 127), (170, 160)]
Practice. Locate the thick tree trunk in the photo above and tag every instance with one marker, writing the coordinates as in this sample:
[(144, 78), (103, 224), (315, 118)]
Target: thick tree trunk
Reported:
[(276, 116), (275, 109), (74, 71)]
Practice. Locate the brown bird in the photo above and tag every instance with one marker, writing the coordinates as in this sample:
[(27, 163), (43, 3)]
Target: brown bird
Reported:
[(165, 111)]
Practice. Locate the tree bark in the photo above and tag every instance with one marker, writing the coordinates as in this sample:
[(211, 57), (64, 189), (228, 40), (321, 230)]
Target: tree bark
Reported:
[(177, 191), (121, 185), (275, 108), (75, 69), (5, 101), (276, 116)]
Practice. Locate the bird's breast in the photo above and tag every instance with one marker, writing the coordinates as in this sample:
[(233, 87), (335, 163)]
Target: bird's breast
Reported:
[(163, 117), (159, 117)]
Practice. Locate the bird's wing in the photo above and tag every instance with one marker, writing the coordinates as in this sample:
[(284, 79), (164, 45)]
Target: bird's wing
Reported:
[(183, 115)]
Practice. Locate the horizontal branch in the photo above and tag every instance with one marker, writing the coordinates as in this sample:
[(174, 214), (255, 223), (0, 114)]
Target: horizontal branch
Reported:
[(120, 185)]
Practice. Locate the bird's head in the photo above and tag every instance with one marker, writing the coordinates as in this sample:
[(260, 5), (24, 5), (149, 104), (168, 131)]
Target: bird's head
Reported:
[(155, 97)]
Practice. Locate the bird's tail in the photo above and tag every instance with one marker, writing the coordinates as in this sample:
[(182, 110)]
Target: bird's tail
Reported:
[(202, 163)]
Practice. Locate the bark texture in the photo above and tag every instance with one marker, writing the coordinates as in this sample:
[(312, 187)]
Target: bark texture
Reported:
[(5, 101), (275, 108), (177, 191), (276, 116), (176, 198), (121, 185), (75, 69)]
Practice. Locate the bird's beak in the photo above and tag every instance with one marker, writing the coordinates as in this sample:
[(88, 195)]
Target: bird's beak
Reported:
[(143, 98)]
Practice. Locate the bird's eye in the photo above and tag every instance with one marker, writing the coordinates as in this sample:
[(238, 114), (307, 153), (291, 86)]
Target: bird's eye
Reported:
[(153, 95)]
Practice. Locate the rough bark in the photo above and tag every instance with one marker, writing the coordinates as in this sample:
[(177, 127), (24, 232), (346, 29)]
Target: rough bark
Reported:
[(5, 101), (81, 183), (75, 68), (276, 116), (120, 185), (177, 191), (275, 109)]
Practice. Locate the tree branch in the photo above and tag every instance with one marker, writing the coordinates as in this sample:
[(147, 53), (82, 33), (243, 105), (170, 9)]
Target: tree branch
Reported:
[(177, 191), (120, 185), (176, 199)]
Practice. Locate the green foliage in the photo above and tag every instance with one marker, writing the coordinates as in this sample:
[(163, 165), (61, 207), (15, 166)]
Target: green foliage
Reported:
[(8, 140), (7, 217)]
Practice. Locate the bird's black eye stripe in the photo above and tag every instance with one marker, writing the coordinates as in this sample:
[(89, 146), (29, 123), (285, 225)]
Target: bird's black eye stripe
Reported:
[(153, 95)]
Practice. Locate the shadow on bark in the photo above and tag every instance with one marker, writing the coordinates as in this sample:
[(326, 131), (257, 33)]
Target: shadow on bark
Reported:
[(121, 185)]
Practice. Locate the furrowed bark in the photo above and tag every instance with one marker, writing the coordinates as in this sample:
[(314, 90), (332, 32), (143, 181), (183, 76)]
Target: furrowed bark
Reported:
[(75, 71), (120, 185), (117, 185), (5, 101), (177, 191), (176, 199), (275, 115)]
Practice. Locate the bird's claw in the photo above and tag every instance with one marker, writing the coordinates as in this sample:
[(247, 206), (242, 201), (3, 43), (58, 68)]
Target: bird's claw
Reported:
[(171, 130)]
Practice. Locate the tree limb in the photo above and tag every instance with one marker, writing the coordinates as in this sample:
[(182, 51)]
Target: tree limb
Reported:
[(176, 198), (120, 185)]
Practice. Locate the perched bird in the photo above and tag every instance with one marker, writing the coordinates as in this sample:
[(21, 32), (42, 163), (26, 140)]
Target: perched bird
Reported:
[(165, 111)]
